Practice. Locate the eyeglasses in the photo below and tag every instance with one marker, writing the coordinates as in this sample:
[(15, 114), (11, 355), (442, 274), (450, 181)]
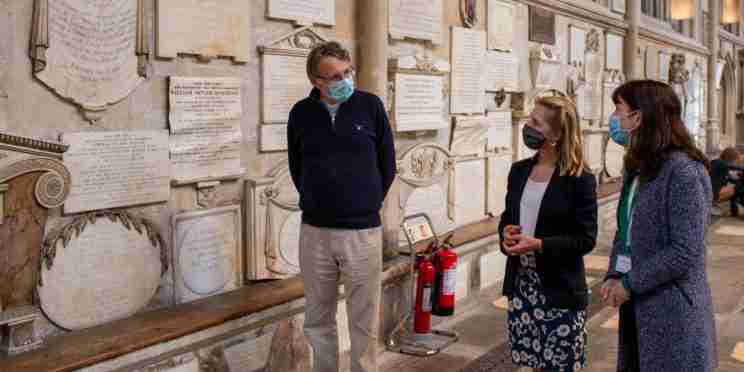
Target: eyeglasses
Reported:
[(348, 74)]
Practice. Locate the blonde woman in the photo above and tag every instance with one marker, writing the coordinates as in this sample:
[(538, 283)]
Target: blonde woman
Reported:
[(549, 224)]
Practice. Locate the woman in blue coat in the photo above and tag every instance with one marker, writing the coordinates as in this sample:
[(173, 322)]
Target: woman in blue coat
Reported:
[(657, 268)]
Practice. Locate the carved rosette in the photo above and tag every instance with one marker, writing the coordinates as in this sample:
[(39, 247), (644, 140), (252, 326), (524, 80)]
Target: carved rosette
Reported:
[(52, 187), (424, 164), (79, 223)]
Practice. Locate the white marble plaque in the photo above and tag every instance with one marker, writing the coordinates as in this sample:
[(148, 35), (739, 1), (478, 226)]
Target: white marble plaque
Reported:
[(470, 191), (468, 71), (469, 135), (492, 268), (249, 355), (502, 71), (289, 243), (416, 19), (419, 102), (577, 45), (91, 57), (273, 137), (665, 60), (499, 131), (613, 52), (91, 279), (116, 169), (284, 83), (502, 17), (431, 200), (205, 129), (590, 101), (207, 252), (205, 28), (497, 174), (303, 12)]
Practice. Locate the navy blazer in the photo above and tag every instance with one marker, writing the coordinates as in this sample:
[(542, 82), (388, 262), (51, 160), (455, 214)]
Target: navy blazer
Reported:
[(567, 225)]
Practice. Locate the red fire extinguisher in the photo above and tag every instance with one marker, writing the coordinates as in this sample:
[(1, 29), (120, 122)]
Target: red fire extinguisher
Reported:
[(424, 287), (445, 264)]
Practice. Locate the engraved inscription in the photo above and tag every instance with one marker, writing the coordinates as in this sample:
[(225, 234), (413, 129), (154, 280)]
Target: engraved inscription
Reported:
[(416, 19), (418, 102), (468, 69)]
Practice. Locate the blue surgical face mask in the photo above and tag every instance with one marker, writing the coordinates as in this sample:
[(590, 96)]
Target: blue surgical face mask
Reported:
[(618, 134), (341, 90)]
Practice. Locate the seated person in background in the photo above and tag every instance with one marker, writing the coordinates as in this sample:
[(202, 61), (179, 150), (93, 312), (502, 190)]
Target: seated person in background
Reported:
[(727, 179)]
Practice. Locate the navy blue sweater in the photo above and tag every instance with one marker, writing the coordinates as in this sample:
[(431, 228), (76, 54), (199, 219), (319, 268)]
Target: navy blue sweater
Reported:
[(344, 168)]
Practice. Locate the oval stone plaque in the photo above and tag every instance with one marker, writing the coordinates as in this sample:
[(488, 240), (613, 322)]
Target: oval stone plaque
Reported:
[(105, 273), (289, 243), (206, 267)]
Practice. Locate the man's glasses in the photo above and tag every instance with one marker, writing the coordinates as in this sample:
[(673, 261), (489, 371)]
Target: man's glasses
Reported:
[(349, 73)]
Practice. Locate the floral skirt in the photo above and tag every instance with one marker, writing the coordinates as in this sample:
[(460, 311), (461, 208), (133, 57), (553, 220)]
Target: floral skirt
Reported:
[(541, 336)]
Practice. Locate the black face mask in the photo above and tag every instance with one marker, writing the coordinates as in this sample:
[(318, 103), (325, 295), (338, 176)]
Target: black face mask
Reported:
[(532, 138)]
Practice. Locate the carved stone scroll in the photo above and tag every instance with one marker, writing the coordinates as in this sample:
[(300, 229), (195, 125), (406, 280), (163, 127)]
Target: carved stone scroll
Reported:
[(92, 54)]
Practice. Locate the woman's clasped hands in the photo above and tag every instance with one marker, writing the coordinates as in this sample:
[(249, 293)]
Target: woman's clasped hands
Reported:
[(515, 243)]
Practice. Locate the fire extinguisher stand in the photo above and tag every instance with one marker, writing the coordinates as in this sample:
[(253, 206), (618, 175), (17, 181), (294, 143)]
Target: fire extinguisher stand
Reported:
[(403, 339)]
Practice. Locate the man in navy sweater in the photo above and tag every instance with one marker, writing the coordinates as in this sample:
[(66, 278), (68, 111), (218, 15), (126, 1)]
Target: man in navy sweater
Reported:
[(342, 161)]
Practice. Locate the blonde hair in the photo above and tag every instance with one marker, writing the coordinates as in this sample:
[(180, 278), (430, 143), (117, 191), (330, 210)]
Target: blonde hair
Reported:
[(564, 120)]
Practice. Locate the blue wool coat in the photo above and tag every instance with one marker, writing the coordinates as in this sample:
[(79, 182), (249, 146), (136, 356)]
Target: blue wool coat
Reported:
[(671, 297)]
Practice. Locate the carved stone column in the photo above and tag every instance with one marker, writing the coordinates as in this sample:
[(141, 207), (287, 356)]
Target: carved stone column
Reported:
[(632, 71), (712, 130), (372, 56)]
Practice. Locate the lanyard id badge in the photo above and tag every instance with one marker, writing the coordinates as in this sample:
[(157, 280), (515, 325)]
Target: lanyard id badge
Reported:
[(624, 262)]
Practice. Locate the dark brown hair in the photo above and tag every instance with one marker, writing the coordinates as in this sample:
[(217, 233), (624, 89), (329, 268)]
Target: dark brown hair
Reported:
[(327, 49), (730, 154), (662, 130)]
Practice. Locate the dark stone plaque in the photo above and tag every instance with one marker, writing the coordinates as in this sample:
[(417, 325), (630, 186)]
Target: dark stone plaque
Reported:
[(542, 26)]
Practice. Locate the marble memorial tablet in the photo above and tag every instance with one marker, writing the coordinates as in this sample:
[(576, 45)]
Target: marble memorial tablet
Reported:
[(303, 12), (207, 252), (208, 29), (577, 45), (416, 19), (499, 131), (273, 137), (502, 71), (285, 83), (205, 129), (497, 172), (502, 17), (91, 49), (468, 70), (92, 277), (419, 102), (613, 52), (469, 135), (116, 169), (470, 191)]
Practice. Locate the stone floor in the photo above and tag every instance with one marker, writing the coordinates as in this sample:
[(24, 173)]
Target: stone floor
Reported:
[(480, 321)]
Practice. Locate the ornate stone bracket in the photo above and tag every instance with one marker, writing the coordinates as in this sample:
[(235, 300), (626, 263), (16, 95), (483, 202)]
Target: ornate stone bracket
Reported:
[(79, 223)]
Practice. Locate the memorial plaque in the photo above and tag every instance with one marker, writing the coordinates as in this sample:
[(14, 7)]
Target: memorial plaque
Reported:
[(273, 137), (499, 131), (303, 12), (284, 83), (416, 19), (577, 45), (497, 174), (502, 17), (205, 129), (208, 29), (469, 135), (468, 71), (502, 71), (88, 280), (116, 169), (419, 102), (87, 52), (542, 26), (590, 95), (289, 243), (470, 191), (613, 52), (207, 253)]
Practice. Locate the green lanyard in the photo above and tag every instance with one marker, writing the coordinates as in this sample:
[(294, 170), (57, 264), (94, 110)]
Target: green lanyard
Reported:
[(625, 214), (631, 207)]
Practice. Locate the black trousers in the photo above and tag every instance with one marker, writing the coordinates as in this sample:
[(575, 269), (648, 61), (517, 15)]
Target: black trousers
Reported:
[(629, 337)]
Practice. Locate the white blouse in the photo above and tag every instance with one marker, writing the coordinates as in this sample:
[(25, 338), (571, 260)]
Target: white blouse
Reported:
[(529, 206)]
